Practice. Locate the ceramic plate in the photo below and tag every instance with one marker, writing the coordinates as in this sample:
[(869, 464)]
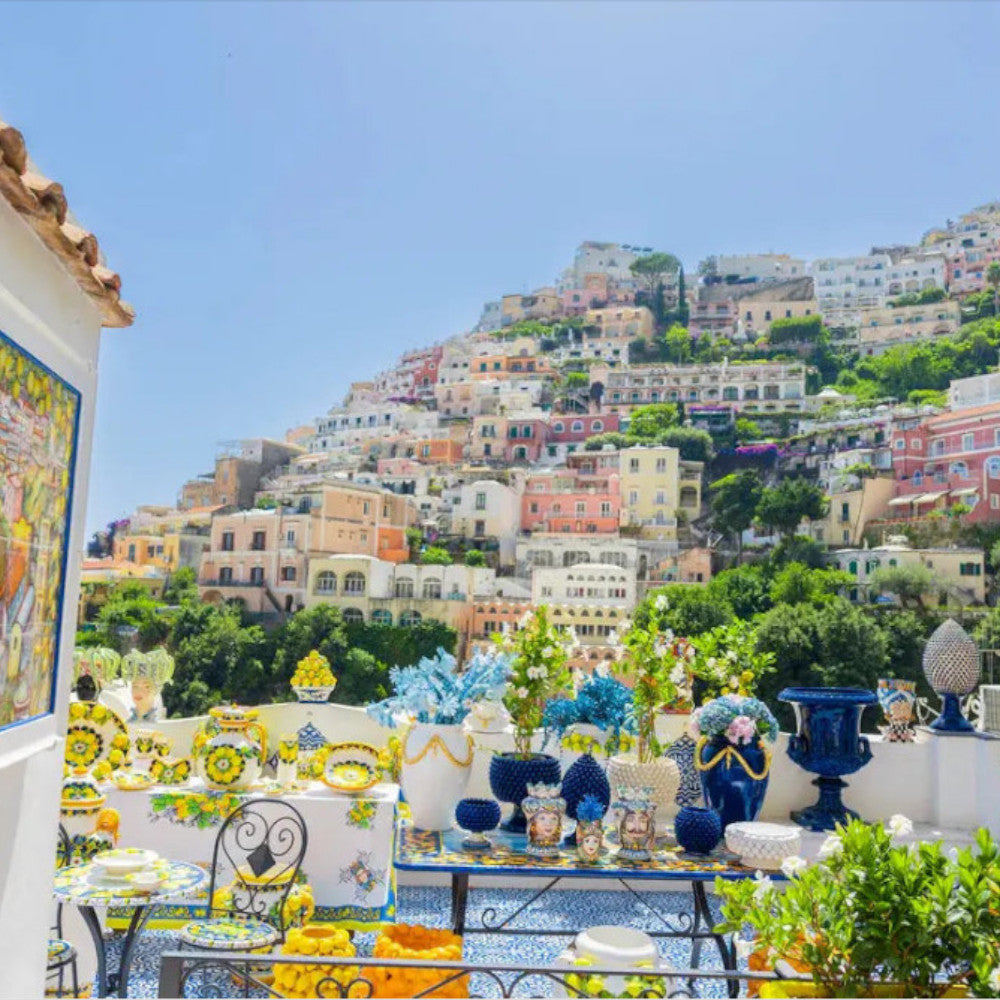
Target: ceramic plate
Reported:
[(124, 860), (132, 781), (95, 734), (350, 767)]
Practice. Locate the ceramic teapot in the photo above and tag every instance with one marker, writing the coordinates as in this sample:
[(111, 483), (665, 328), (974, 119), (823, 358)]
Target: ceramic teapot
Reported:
[(232, 758)]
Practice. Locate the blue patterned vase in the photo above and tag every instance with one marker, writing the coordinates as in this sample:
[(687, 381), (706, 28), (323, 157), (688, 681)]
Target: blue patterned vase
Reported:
[(698, 830), (477, 816), (510, 776), (733, 778), (681, 752)]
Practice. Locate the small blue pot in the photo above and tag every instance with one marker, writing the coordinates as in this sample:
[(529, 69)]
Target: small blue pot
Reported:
[(477, 815), (585, 777), (510, 776), (729, 788), (698, 830)]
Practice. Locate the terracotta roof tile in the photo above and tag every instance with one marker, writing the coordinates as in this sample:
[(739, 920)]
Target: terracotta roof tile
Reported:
[(42, 203)]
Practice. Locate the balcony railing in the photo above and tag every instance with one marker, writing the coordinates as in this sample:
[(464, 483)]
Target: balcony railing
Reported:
[(231, 583)]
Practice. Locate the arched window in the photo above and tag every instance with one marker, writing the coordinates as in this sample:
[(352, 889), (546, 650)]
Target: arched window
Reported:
[(381, 617), (993, 467), (918, 478), (326, 583), (354, 583), (959, 469), (353, 616), (852, 567), (576, 426), (558, 427), (596, 426), (409, 618), (404, 588), (431, 589)]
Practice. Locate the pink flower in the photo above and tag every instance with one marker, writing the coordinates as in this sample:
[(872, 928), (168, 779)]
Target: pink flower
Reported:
[(694, 728), (741, 730)]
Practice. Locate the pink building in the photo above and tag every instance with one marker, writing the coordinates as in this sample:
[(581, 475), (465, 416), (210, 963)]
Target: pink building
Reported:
[(526, 437), (948, 459), (570, 502), (573, 427), (598, 290), (966, 268)]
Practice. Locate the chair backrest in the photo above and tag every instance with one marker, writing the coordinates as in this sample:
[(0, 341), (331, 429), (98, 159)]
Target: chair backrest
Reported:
[(262, 843)]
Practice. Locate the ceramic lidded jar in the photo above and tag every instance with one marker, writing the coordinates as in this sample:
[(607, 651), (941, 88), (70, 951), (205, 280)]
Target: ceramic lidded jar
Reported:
[(89, 825), (543, 809), (232, 759), (636, 813)]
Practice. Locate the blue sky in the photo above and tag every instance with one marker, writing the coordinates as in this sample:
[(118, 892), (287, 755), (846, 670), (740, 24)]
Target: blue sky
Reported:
[(294, 194)]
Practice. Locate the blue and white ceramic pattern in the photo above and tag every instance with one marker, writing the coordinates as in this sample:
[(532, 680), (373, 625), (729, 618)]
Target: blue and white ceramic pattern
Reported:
[(681, 752), (84, 885)]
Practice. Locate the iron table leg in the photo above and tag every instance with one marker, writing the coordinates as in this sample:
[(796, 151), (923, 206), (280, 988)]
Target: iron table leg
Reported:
[(90, 918), (459, 901), (703, 919), (139, 918)]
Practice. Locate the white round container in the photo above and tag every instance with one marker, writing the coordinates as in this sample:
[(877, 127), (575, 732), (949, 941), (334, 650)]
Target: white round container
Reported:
[(763, 845)]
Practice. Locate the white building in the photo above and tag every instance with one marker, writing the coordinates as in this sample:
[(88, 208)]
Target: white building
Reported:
[(593, 584), (592, 257), (541, 549), (759, 266), (916, 274), (977, 390), (485, 510), (850, 282)]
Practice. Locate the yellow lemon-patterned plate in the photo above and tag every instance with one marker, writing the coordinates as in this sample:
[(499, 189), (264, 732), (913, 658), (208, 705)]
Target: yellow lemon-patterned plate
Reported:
[(132, 781), (351, 767)]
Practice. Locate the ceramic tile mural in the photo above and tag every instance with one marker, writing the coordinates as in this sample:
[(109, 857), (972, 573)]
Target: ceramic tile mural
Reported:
[(38, 429)]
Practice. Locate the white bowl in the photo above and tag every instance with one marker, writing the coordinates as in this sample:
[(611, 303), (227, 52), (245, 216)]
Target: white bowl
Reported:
[(763, 845), (611, 946), (148, 880), (124, 860)]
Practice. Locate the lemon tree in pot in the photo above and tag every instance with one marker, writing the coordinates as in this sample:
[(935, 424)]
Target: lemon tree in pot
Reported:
[(876, 917), (655, 663), (538, 650)]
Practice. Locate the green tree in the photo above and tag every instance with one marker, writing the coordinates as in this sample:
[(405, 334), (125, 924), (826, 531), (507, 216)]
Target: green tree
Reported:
[(414, 539), (909, 582), (796, 330), (746, 589), (648, 423), (598, 441), (734, 501), (797, 583), (434, 555), (692, 609), (694, 444), (747, 430), (400, 646), (678, 342), (653, 270), (182, 587), (993, 280), (361, 679), (474, 557), (321, 628), (130, 606), (683, 309), (785, 506), (797, 549)]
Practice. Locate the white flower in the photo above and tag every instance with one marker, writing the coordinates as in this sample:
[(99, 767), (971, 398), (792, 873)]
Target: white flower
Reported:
[(734, 682), (830, 846), (678, 676), (731, 655), (521, 692), (535, 673), (764, 886), (994, 980), (899, 825), (743, 948), (792, 865), (661, 603), (711, 663)]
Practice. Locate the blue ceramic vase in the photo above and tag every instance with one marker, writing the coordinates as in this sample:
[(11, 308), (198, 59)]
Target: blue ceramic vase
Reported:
[(585, 777), (510, 776), (733, 790), (477, 816), (698, 830)]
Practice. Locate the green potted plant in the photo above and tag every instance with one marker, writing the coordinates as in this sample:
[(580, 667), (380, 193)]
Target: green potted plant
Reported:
[(875, 917), (539, 651), (655, 664)]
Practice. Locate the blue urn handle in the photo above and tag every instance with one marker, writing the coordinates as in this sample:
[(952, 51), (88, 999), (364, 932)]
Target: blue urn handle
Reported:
[(865, 749)]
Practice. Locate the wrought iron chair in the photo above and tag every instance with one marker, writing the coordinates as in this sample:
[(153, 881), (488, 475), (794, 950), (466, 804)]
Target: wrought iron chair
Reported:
[(61, 953), (262, 843)]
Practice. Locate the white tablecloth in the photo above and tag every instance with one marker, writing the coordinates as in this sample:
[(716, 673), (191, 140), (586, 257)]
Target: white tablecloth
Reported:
[(348, 859)]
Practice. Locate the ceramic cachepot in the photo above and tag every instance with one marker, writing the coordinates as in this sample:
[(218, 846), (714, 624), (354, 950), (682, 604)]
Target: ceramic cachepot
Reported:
[(698, 830), (509, 779), (477, 817), (543, 806), (763, 845), (733, 778), (829, 744), (232, 759), (437, 760), (636, 818), (662, 776)]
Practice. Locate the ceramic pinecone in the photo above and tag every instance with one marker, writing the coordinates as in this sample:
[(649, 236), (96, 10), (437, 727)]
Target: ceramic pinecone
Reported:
[(585, 777), (763, 845), (951, 659), (698, 830), (510, 777)]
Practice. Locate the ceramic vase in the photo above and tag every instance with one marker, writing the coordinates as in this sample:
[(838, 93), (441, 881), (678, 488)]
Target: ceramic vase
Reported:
[(733, 778), (89, 825), (898, 699), (661, 776), (232, 759), (477, 817), (543, 808), (146, 747), (589, 840), (509, 779), (286, 771), (635, 811), (829, 744), (698, 830), (436, 761)]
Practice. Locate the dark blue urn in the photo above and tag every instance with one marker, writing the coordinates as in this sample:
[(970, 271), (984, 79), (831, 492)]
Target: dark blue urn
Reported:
[(733, 778), (829, 744), (584, 777), (698, 830), (510, 776)]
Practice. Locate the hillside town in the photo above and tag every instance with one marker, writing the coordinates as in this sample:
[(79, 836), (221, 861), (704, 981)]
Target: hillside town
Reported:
[(573, 448)]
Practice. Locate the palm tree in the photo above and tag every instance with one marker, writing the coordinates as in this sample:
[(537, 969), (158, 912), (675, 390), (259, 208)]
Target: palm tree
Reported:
[(993, 280)]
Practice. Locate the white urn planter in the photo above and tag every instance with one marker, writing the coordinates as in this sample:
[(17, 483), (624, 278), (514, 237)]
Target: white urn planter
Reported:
[(662, 775), (437, 760)]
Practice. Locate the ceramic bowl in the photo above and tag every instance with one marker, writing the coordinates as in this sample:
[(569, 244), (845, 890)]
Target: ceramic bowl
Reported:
[(131, 781), (124, 860), (351, 767), (147, 880), (763, 845), (170, 770), (313, 695)]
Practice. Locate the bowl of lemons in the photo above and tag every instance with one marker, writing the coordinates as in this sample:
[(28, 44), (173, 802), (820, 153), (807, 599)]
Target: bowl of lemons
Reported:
[(313, 681)]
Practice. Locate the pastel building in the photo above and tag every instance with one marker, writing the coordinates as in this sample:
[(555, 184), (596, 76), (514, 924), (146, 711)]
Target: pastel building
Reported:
[(756, 267), (543, 303), (880, 329), (851, 282), (622, 322), (486, 511), (541, 549), (563, 501), (516, 438), (575, 428), (655, 486)]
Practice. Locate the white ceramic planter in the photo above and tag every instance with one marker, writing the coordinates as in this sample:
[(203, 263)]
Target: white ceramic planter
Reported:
[(436, 764), (763, 845), (612, 947), (661, 775)]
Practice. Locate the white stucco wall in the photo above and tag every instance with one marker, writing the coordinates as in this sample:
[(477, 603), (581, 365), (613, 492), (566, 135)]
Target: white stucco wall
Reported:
[(43, 310)]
